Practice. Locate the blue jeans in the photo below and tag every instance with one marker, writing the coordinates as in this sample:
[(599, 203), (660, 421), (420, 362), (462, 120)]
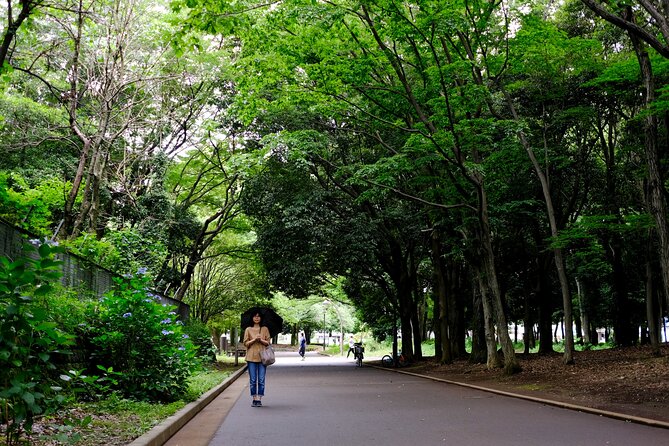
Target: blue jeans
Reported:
[(257, 377)]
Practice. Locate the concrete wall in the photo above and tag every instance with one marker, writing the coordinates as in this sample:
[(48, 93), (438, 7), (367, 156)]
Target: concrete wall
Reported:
[(77, 272)]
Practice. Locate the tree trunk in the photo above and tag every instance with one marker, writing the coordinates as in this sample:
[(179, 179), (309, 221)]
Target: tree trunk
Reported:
[(194, 257), (72, 110), (9, 37), (441, 299), (456, 326), (405, 326), (585, 318), (656, 197), (417, 339), (528, 324), (495, 295), (203, 240), (492, 357), (613, 244), (557, 252), (544, 300), (623, 327), (478, 354), (492, 296), (436, 324), (652, 307), (90, 208)]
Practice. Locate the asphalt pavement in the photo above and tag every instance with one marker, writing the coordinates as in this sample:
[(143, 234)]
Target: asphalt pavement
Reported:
[(325, 401)]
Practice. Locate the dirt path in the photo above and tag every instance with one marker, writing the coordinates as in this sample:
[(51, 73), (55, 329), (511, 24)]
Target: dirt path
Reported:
[(627, 380)]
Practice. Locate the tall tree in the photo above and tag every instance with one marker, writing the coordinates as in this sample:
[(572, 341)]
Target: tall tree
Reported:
[(648, 24), (207, 183), (14, 19), (115, 69), (555, 61), (404, 70)]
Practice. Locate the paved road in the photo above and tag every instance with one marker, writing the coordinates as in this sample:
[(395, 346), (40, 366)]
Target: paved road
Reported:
[(328, 401)]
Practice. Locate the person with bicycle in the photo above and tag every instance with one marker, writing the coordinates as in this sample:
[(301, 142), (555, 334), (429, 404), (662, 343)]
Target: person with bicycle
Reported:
[(358, 353), (351, 347)]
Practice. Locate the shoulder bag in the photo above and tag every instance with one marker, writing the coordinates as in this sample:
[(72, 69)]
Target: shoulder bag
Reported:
[(267, 355)]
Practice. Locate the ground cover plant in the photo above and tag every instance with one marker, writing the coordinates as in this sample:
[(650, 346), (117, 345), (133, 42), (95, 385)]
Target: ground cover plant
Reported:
[(57, 351), (116, 421)]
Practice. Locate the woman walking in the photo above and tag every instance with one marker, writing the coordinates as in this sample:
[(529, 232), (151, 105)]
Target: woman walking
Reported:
[(255, 339), (303, 346)]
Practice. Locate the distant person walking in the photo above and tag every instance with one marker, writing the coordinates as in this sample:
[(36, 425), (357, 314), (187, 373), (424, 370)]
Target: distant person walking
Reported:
[(351, 347), (303, 346), (255, 339)]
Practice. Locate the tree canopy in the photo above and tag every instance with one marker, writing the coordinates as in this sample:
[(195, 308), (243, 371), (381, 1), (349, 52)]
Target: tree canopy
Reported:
[(454, 167)]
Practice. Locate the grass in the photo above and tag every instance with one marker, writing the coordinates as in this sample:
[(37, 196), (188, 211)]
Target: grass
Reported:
[(559, 347), (203, 382), (116, 421), (378, 349)]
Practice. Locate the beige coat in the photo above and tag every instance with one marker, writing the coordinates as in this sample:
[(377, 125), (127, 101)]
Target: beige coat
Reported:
[(252, 347)]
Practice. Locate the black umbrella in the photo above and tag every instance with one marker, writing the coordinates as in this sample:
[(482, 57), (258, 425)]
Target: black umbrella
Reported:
[(270, 319)]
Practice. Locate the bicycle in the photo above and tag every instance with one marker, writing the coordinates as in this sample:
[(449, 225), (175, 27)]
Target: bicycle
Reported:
[(358, 355), (398, 361)]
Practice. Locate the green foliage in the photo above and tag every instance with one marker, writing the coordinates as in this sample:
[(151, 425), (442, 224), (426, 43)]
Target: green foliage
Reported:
[(121, 250), (141, 341), (204, 380), (101, 252), (29, 341), (65, 306), (200, 336), (132, 251), (66, 433), (88, 387), (33, 139), (31, 206)]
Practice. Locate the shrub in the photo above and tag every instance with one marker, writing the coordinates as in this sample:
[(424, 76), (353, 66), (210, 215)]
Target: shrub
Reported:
[(28, 342), (65, 306), (141, 341), (200, 335)]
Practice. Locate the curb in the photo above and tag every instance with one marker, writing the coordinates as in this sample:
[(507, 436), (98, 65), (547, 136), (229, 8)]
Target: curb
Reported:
[(162, 432), (603, 413)]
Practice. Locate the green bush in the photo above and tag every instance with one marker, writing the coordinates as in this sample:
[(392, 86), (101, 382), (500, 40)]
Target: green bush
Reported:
[(200, 336), (130, 334), (28, 342), (65, 306)]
